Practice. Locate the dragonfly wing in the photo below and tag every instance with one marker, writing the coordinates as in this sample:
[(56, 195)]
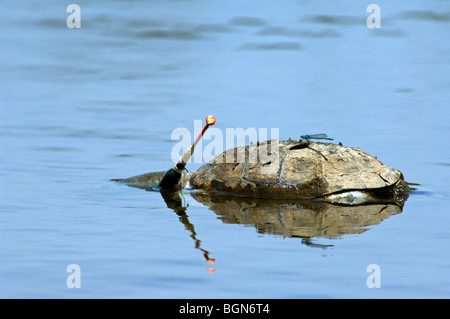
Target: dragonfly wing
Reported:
[(321, 136)]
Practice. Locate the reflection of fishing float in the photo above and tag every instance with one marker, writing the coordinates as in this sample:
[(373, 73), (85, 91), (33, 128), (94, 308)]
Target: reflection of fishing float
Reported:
[(173, 200), (211, 269), (173, 175), (209, 260)]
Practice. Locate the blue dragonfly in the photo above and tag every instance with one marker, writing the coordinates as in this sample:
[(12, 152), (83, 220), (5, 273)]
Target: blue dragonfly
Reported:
[(316, 137)]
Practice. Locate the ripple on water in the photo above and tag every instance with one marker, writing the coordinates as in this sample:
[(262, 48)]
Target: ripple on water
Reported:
[(281, 46)]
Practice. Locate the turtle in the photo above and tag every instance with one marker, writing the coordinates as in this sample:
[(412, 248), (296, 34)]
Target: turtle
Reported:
[(293, 169)]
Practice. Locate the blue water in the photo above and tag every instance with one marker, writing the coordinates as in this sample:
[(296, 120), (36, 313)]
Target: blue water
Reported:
[(81, 106)]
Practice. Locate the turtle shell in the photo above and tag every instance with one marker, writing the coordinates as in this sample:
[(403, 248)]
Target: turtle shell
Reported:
[(294, 169)]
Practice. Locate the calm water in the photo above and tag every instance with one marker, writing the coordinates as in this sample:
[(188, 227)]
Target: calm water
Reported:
[(82, 106)]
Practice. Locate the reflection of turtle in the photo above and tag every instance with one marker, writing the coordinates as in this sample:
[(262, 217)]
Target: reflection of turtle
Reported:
[(297, 218), (304, 219), (294, 170)]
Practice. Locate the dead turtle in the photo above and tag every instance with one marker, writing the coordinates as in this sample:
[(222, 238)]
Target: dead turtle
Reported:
[(293, 169)]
